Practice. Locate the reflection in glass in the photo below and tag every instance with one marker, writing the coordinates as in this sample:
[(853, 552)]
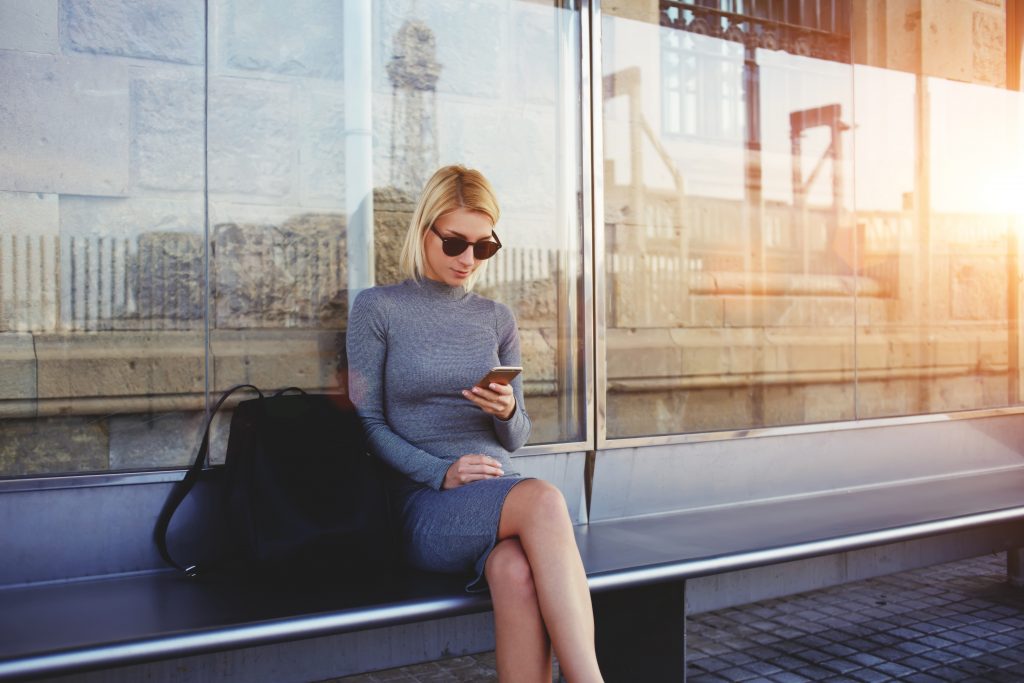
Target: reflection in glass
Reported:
[(101, 237), (942, 243), (727, 199)]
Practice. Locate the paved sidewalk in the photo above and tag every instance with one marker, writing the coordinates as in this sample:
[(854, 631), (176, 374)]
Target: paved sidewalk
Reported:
[(953, 622)]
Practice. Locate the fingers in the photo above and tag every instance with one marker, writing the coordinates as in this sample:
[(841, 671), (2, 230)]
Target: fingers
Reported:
[(474, 467), (496, 400)]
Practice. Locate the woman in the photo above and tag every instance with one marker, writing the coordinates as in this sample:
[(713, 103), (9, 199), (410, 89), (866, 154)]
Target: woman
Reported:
[(415, 351)]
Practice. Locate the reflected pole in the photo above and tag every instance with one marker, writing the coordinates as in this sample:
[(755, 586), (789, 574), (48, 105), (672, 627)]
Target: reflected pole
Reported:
[(358, 146), (754, 210)]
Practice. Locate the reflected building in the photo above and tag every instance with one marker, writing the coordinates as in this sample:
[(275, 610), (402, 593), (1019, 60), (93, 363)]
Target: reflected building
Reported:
[(413, 71)]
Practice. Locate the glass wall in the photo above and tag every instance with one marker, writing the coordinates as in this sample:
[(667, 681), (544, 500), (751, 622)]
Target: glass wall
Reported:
[(728, 191), (192, 193), (810, 213)]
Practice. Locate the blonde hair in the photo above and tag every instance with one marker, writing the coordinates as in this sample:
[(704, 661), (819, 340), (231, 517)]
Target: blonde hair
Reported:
[(448, 189)]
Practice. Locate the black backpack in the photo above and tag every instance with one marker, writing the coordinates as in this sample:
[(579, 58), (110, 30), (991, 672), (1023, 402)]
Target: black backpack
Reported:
[(301, 495)]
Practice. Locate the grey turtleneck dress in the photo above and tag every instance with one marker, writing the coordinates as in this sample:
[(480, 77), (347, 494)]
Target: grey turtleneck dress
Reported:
[(412, 349)]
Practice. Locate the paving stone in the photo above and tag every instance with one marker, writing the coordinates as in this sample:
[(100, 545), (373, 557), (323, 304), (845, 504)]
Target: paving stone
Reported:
[(923, 678), (865, 658), (788, 677), (894, 669), (815, 673), (737, 674), (956, 622), (870, 676), (842, 666)]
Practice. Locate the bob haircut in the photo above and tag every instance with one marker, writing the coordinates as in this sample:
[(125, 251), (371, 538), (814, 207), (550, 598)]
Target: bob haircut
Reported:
[(448, 189)]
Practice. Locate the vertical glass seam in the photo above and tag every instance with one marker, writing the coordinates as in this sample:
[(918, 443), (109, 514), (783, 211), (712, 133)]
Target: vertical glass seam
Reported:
[(207, 342)]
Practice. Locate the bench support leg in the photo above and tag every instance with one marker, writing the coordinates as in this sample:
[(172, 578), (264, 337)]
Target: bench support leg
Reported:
[(641, 633), (1015, 567)]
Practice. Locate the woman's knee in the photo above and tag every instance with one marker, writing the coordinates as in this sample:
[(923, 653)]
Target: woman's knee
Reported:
[(544, 500), (508, 569)]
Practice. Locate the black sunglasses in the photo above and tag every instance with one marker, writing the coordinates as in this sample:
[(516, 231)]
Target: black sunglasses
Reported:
[(482, 250)]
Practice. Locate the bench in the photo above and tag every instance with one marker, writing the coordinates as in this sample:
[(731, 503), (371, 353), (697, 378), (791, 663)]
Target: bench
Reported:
[(637, 568)]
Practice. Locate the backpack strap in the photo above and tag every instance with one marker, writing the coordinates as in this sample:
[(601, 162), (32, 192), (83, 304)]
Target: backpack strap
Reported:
[(183, 487)]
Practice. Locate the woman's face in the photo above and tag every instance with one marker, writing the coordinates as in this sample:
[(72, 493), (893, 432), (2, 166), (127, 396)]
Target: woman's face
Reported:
[(472, 226)]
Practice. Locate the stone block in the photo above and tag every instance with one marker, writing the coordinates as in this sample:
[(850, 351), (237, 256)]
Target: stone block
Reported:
[(129, 217), (274, 359), (788, 311), (146, 29), (120, 364), (29, 26), (903, 35), (828, 402), (292, 275), (646, 11), (145, 441), (323, 168), (889, 397), (963, 392), (784, 405), (252, 137), (167, 145), (821, 353), (131, 263), (978, 288), (706, 311), (534, 67), (29, 213), (168, 284), (65, 125), (642, 353), (514, 147), (538, 354), (17, 366), (964, 41), (872, 351), (55, 445), (298, 38)]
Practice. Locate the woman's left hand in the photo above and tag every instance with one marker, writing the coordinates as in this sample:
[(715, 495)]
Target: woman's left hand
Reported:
[(496, 400)]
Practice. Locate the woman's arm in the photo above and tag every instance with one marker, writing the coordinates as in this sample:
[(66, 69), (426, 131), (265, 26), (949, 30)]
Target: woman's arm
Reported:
[(514, 431), (366, 343)]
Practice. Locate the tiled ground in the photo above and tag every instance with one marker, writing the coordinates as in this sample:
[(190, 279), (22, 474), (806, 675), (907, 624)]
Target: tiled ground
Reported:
[(953, 622)]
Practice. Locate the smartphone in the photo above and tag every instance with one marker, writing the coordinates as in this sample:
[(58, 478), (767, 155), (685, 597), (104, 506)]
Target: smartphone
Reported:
[(502, 374)]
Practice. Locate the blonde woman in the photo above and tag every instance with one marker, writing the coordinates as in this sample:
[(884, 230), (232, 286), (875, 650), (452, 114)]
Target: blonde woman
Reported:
[(416, 350)]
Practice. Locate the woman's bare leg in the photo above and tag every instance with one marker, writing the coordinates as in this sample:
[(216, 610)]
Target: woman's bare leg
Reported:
[(535, 513), (523, 646)]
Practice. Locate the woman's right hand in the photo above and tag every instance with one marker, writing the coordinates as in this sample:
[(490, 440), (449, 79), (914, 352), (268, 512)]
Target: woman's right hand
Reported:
[(471, 467)]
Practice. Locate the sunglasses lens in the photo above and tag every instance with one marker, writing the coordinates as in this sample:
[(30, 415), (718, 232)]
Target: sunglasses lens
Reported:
[(453, 246), (485, 250)]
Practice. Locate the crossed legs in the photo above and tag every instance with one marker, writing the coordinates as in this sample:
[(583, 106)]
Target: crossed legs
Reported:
[(539, 589)]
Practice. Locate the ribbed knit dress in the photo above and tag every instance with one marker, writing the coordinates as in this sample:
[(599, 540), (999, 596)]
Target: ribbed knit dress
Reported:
[(412, 349)]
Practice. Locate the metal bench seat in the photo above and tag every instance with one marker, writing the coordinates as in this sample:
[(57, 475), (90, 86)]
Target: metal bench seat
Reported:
[(637, 569)]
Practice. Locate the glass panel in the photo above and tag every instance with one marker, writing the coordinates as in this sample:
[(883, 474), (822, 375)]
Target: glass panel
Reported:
[(318, 153), (319, 123), (101, 235), (730, 275), (942, 331)]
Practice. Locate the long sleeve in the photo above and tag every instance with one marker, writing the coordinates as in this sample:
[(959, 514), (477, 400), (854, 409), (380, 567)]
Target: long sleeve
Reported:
[(367, 353), (513, 432)]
